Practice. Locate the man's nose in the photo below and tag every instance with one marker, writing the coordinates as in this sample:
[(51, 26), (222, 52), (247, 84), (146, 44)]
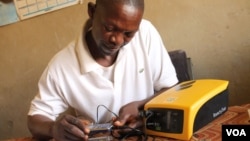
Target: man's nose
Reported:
[(117, 38)]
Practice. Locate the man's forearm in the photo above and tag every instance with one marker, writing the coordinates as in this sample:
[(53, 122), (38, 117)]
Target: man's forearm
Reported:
[(40, 127)]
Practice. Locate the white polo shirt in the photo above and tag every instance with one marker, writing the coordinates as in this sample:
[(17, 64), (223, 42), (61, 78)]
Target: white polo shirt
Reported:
[(74, 79)]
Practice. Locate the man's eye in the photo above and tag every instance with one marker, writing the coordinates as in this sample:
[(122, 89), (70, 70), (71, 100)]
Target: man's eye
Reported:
[(108, 28), (129, 34)]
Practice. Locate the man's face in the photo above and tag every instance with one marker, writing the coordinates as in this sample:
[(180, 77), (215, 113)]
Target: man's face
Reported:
[(113, 26)]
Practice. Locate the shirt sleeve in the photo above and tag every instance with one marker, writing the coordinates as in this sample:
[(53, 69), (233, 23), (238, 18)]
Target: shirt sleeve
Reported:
[(49, 101)]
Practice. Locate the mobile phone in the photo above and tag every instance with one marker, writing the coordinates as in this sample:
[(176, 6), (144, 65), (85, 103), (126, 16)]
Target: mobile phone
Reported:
[(97, 130), (100, 127)]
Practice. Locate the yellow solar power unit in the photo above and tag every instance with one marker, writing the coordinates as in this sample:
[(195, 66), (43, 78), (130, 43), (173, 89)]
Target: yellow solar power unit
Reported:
[(182, 110)]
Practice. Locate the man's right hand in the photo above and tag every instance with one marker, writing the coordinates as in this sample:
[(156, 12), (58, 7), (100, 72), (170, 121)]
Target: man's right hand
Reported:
[(66, 128), (70, 128)]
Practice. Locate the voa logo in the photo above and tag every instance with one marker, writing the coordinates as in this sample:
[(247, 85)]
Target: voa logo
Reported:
[(236, 132)]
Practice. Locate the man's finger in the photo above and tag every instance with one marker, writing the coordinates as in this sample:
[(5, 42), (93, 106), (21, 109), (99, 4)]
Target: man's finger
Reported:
[(72, 137), (121, 121), (75, 127), (74, 130)]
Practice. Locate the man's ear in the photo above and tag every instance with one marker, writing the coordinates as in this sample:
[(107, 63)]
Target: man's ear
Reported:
[(91, 9)]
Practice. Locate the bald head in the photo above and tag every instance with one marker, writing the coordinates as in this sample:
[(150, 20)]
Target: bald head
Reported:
[(138, 4)]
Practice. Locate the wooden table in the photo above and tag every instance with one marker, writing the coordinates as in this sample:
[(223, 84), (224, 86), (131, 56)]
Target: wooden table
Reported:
[(210, 132)]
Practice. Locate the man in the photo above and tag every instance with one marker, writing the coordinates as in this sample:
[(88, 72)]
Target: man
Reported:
[(119, 61)]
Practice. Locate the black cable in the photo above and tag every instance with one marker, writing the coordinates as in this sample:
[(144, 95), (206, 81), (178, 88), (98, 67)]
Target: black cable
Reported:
[(124, 133), (133, 132)]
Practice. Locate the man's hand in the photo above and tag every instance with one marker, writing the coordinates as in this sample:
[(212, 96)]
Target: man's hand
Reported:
[(129, 115), (70, 128)]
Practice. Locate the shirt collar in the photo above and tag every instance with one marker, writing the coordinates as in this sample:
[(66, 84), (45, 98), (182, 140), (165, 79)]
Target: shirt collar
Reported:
[(86, 61)]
